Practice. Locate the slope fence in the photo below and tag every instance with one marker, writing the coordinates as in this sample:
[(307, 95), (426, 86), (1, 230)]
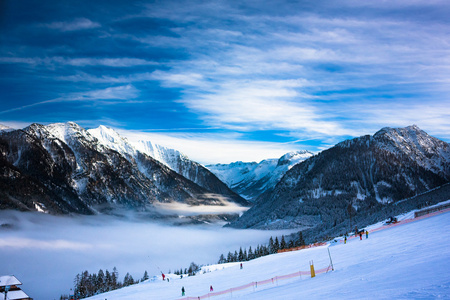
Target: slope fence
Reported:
[(254, 285), (303, 247)]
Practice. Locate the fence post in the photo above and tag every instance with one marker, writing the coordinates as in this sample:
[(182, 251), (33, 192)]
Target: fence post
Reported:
[(332, 268)]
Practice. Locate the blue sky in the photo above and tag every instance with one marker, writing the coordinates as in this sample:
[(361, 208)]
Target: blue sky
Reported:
[(228, 80)]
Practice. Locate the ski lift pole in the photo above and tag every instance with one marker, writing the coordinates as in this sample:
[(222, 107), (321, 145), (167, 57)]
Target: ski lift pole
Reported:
[(332, 268)]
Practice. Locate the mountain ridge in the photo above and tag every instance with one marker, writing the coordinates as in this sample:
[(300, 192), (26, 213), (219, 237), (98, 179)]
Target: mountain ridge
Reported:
[(354, 177), (252, 179), (64, 163)]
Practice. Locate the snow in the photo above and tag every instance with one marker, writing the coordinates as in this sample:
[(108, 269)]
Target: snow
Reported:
[(109, 138), (242, 176), (13, 295), (9, 280), (405, 261)]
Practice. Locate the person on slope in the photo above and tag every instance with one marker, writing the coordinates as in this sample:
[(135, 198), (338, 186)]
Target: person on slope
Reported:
[(182, 291), (211, 288), (345, 240), (163, 276), (367, 234), (360, 236)]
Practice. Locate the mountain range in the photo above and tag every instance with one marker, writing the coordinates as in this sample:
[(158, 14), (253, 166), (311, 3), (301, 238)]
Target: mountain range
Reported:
[(354, 178), (251, 179), (63, 168)]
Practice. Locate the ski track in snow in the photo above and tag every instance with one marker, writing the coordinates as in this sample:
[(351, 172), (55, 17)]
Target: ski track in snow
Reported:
[(410, 261)]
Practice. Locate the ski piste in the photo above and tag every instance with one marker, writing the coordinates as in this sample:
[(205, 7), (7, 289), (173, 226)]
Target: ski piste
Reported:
[(405, 260)]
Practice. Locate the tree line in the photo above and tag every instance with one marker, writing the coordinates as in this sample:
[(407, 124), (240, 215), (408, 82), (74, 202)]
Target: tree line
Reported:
[(261, 250), (86, 284)]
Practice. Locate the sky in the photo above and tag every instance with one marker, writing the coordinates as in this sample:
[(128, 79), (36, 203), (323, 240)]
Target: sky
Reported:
[(223, 81)]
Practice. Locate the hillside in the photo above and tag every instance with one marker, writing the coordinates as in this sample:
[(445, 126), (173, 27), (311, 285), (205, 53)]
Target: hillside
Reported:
[(409, 261), (62, 168), (353, 179)]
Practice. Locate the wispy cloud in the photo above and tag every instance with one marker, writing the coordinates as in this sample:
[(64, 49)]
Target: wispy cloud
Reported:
[(110, 95), (120, 62), (77, 24)]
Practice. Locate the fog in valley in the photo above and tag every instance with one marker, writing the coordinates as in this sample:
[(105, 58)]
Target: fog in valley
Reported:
[(46, 252)]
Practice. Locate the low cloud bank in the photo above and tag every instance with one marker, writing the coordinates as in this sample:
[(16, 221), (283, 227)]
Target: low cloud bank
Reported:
[(46, 252)]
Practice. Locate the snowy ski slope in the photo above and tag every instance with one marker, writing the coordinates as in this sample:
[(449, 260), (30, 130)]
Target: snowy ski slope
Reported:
[(408, 261)]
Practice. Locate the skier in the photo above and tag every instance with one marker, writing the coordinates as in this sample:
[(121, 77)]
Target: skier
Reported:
[(167, 279), (182, 291), (163, 276), (241, 265), (360, 236), (367, 234), (345, 240), (211, 288)]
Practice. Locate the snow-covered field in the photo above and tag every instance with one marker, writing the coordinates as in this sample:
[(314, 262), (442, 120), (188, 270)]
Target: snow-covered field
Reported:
[(408, 261)]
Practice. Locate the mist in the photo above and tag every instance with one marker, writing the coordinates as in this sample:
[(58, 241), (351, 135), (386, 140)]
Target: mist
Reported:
[(46, 252)]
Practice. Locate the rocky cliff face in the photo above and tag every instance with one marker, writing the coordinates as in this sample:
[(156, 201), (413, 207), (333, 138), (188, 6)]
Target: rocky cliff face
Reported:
[(357, 176), (64, 168)]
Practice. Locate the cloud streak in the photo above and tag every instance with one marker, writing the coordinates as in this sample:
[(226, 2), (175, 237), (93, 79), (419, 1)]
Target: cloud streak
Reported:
[(77, 24)]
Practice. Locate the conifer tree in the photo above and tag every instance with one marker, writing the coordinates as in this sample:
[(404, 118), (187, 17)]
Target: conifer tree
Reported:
[(250, 253), (241, 255), (145, 277), (276, 244), (108, 279), (230, 257), (283, 243), (271, 246)]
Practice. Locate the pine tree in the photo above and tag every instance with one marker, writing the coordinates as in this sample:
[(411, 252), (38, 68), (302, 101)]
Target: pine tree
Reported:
[(291, 244), (241, 255), (230, 257), (145, 277), (283, 243), (128, 280), (301, 240), (250, 253), (108, 281), (101, 282), (222, 259), (271, 246), (115, 279), (276, 244)]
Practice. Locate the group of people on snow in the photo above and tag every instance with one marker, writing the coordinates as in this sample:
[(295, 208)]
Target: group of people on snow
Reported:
[(360, 233)]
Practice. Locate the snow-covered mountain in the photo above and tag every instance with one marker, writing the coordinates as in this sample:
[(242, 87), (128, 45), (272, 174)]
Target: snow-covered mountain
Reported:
[(171, 158), (355, 177), (62, 168), (5, 128), (251, 179)]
